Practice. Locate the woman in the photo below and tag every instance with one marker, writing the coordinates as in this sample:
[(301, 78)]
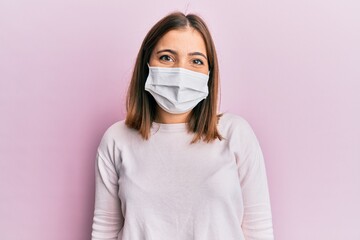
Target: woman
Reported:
[(174, 168)]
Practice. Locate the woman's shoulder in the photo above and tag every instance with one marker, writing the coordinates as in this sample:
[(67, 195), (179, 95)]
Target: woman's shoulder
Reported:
[(232, 120), (116, 133), (115, 129), (230, 123)]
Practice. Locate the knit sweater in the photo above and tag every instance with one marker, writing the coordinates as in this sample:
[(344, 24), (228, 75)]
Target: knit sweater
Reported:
[(166, 188)]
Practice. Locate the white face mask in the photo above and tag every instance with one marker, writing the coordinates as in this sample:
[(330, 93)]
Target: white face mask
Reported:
[(176, 90)]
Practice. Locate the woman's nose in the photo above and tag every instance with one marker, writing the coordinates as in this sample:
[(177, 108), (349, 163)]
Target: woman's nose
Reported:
[(181, 63)]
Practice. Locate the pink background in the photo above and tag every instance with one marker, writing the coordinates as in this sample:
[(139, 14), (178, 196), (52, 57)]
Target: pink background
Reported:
[(291, 68)]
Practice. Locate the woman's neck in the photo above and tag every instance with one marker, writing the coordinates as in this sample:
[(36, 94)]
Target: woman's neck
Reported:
[(164, 117)]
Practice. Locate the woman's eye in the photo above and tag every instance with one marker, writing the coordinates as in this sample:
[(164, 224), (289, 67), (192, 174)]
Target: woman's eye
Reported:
[(198, 62), (166, 58)]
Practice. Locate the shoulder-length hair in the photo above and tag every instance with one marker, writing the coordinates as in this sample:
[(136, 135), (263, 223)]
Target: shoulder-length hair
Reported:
[(141, 106)]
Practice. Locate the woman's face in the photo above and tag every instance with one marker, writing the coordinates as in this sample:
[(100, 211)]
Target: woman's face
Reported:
[(183, 48)]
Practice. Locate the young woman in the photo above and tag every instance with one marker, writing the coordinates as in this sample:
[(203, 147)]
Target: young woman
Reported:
[(175, 168)]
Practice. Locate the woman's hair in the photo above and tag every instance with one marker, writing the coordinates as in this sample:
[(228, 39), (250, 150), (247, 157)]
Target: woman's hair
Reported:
[(141, 106)]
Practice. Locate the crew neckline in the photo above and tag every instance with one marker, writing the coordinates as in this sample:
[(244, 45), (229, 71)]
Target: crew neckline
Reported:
[(169, 127)]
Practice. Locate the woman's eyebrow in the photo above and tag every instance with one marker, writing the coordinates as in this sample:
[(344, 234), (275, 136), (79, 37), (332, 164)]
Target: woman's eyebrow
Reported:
[(167, 50), (175, 53), (197, 53)]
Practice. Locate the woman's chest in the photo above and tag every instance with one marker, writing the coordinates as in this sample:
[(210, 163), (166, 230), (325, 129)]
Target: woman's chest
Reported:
[(176, 174)]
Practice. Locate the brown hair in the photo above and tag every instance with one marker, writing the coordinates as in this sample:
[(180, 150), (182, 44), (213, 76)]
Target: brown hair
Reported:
[(141, 106)]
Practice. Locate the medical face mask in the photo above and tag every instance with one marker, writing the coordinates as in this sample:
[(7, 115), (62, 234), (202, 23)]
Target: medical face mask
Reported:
[(176, 90)]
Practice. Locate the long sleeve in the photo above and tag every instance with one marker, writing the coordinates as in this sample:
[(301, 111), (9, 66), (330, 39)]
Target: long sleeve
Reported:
[(108, 220), (166, 188), (257, 220)]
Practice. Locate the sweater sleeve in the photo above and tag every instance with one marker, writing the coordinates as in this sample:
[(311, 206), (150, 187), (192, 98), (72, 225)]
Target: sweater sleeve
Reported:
[(257, 220), (108, 219)]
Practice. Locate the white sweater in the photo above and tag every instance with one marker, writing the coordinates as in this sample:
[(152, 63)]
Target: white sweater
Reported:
[(165, 188)]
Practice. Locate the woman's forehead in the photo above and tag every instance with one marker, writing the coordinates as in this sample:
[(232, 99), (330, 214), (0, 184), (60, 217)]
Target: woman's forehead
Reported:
[(182, 40)]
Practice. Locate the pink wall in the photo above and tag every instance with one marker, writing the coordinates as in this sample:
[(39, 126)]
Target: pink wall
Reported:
[(291, 68)]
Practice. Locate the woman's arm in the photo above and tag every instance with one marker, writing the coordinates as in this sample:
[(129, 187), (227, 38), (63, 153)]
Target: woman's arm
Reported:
[(257, 221), (108, 220)]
